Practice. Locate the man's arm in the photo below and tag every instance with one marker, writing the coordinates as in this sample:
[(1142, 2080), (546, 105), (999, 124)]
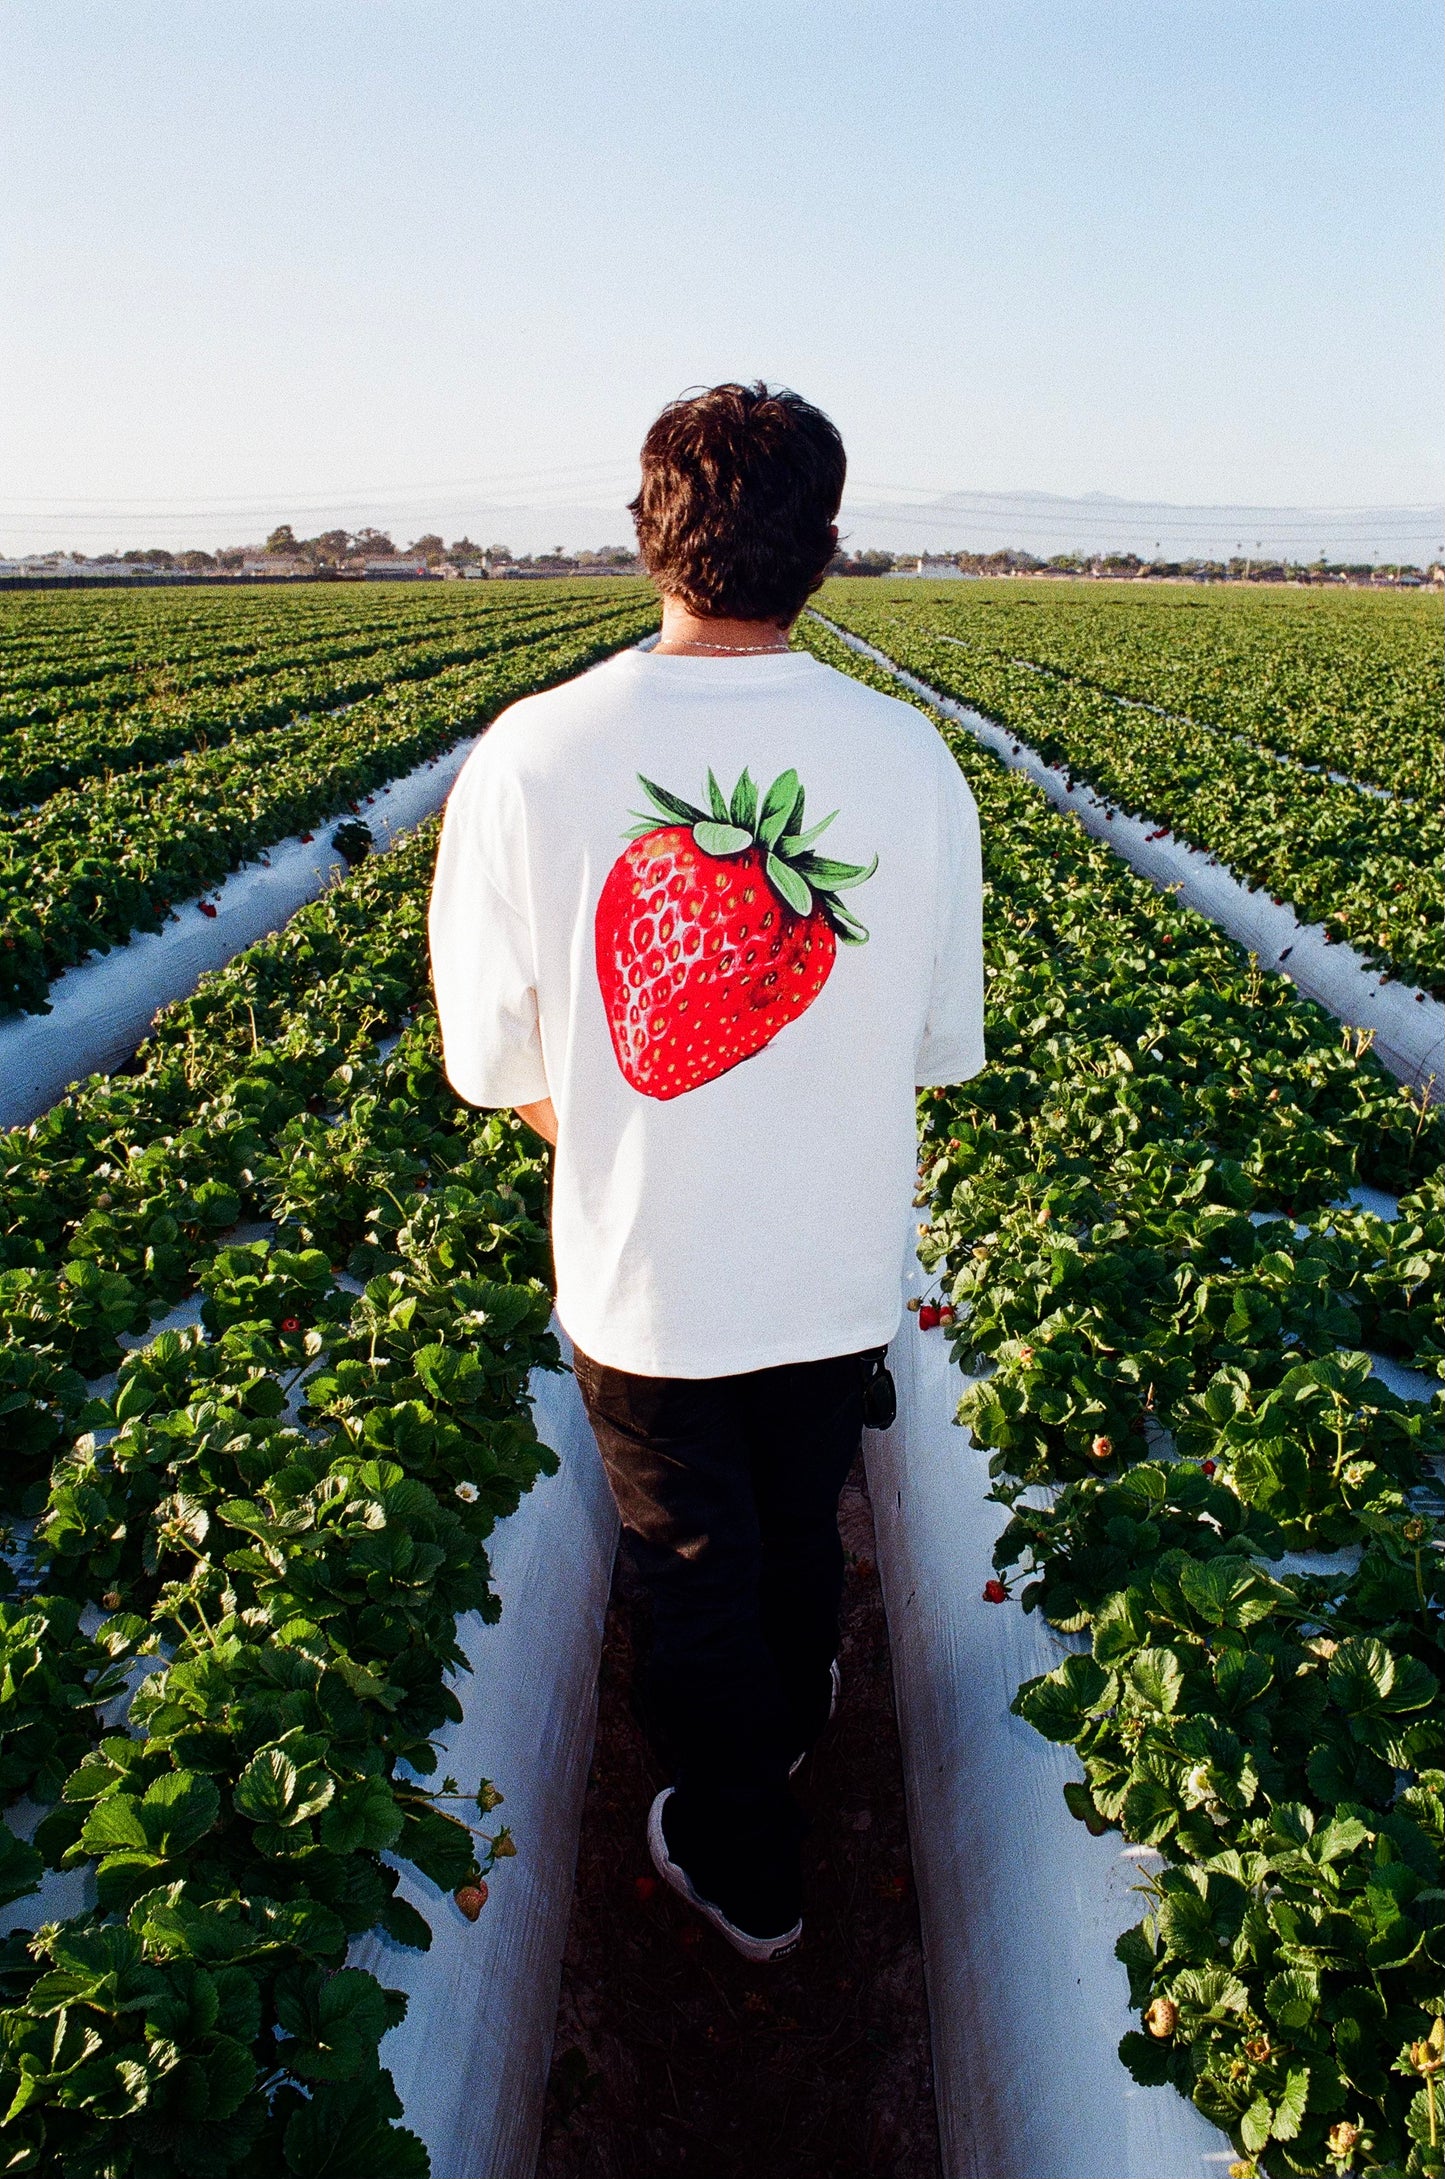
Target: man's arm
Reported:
[(483, 968), (540, 1118)]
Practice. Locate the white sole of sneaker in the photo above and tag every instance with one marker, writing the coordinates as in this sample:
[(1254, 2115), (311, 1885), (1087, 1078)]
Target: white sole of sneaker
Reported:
[(758, 1949), (835, 1675)]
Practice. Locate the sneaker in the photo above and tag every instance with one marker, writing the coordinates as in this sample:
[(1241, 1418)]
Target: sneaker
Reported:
[(752, 1945), (835, 1677)]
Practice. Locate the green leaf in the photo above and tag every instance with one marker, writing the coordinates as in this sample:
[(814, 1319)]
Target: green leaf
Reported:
[(789, 885), (1225, 1591), (834, 877), (1289, 2111), (1365, 1677), (114, 1824), (346, 2132), (1120, 1628), (1157, 1677), (266, 1788), (230, 2072), (1137, 1956), (1147, 2059), (743, 808), (1293, 1997), (672, 806), (439, 1846), (721, 839), (797, 843), (21, 1868), (779, 803), (1254, 2127), (1060, 1704), (335, 2021), (845, 926), (364, 1815), (179, 1809), (1149, 1813), (404, 1925), (717, 798)]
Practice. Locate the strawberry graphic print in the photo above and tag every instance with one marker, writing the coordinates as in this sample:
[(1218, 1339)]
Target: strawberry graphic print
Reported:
[(715, 929)]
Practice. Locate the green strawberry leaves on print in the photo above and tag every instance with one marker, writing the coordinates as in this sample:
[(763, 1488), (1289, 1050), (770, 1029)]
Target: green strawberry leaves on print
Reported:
[(796, 875)]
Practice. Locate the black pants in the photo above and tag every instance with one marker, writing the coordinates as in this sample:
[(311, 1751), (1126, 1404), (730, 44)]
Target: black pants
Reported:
[(728, 1491)]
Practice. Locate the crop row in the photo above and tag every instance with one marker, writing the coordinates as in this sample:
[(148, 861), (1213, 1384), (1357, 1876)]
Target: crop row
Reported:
[(1137, 1219), (36, 761), (1347, 681), (282, 1510), (100, 653), (93, 865), (1365, 868)]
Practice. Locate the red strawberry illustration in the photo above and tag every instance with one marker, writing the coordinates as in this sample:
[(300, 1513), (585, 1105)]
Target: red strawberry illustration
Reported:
[(716, 929)]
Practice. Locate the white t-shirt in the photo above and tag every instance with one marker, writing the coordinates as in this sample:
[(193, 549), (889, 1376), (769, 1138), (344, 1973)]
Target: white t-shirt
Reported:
[(732, 1061)]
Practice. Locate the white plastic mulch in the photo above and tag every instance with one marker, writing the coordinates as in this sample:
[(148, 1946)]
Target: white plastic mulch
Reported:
[(100, 1011)]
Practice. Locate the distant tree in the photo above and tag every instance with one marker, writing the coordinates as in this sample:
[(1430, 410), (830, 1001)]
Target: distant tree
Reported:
[(463, 553), (330, 545), (282, 539), (372, 544), (149, 556), (500, 555), (430, 547), (194, 562), (861, 563)]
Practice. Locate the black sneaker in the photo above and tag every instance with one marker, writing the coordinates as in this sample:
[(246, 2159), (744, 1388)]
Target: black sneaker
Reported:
[(757, 1945), (835, 1674)]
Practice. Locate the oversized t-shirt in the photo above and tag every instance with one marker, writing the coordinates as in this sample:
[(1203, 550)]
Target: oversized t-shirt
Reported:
[(725, 913)]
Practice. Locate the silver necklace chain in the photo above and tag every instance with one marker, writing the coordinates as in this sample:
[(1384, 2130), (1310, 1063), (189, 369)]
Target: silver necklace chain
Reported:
[(737, 650)]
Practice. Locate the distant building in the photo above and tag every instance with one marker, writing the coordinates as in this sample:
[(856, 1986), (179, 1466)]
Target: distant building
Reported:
[(940, 570), (398, 568), (273, 566)]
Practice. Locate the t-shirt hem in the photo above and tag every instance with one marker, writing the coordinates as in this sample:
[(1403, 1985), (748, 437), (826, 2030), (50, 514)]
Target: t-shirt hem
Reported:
[(948, 1068), (818, 1345), (496, 1094)]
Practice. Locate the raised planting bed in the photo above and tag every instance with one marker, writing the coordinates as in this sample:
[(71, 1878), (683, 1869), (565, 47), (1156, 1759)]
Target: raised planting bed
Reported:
[(470, 2060)]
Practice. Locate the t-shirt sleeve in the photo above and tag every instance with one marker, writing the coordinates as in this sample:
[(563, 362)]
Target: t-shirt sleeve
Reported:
[(951, 1048), (482, 957)]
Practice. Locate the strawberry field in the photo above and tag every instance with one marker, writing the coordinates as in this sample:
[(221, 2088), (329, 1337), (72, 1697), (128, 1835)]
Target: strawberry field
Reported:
[(1294, 737), (270, 1299)]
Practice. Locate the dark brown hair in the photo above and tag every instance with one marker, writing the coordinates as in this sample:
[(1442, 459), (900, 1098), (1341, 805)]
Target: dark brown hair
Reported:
[(739, 490)]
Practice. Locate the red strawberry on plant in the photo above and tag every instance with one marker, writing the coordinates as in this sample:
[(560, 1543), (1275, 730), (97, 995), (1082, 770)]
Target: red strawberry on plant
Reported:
[(716, 930)]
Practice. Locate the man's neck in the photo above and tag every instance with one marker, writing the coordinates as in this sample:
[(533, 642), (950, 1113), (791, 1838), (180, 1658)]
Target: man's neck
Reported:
[(686, 634)]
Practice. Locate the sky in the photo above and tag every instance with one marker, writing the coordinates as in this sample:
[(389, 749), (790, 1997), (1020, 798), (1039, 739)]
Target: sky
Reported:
[(437, 263)]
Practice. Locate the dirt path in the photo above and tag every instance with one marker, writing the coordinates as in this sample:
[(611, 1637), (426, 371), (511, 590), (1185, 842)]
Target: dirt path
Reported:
[(674, 2055)]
